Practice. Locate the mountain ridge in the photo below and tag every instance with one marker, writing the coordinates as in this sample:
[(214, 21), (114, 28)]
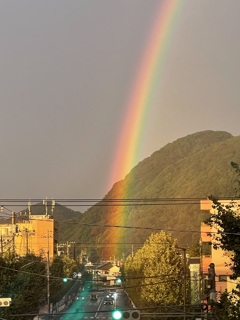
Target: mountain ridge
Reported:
[(195, 166), (192, 167)]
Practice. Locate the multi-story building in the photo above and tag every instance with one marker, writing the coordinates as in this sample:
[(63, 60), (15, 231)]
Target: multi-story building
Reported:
[(37, 234), (214, 257)]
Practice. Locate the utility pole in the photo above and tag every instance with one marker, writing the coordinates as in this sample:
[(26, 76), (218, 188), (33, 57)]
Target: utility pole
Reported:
[(68, 249), (184, 282), (201, 271), (184, 279), (26, 232), (1, 245), (48, 278), (74, 251)]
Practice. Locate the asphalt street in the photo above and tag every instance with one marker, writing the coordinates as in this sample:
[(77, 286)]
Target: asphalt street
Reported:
[(84, 308)]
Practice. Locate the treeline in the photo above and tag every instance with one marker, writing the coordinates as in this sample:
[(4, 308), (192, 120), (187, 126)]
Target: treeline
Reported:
[(31, 284)]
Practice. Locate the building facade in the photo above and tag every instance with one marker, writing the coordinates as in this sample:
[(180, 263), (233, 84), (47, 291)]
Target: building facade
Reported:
[(36, 234), (214, 257)]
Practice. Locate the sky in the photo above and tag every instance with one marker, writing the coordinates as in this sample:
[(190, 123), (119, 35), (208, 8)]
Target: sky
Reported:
[(67, 72)]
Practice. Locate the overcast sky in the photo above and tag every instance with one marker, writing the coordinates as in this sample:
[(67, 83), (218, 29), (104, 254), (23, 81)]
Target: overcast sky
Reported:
[(67, 69)]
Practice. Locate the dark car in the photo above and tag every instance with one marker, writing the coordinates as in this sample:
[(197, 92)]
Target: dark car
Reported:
[(108, 301)]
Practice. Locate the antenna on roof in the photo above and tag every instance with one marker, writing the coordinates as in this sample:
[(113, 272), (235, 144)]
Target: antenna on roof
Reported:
[(46, 208), (29, 207), (53, 205)]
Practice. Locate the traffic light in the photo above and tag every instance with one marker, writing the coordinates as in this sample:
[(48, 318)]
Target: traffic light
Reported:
[(65, 279), (211, 277), (126, 315), (117, 315), (5, 302), (131, 314)]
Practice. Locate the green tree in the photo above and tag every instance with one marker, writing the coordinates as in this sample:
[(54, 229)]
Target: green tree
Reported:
[(227, 307), (57, 275), (194, 250), (154, 275), (63, 267), (24, 279), (26, 286), (7, 275), (70, 265)]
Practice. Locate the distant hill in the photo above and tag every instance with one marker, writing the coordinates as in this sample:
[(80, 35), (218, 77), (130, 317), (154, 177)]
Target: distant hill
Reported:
[(192, 167), (61, 214)]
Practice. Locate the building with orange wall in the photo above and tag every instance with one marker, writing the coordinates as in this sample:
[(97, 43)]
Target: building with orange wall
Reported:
[(37, 234), (219, 257)]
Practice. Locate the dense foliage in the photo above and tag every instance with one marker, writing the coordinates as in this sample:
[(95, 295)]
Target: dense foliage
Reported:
[(153, 276), (24, 280)]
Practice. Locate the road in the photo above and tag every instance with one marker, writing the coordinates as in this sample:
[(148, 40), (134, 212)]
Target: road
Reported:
[(83, 308)]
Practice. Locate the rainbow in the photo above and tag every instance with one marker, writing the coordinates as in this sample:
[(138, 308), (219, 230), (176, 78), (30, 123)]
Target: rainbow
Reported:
[(145, 86)]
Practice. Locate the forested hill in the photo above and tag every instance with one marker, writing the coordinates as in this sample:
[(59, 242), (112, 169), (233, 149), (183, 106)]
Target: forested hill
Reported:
[(194, 166)]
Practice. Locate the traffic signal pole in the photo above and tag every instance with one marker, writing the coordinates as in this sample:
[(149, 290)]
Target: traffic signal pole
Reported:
[(212, 282)]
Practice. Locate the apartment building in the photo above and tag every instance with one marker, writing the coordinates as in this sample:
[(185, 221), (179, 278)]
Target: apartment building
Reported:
[(218, 257), (37, 234)]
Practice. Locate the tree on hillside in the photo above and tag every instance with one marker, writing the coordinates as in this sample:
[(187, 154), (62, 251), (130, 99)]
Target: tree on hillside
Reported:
[(154, 275)]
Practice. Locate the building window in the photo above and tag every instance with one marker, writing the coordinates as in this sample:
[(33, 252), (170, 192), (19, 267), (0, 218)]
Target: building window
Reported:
[(222, 278), (206, 248)]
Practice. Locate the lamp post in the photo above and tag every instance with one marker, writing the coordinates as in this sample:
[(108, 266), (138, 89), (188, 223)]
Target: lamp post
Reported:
[(185, 279)]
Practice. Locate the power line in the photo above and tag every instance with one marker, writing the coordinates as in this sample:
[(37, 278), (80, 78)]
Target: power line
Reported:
[(111, 201), (151, 229)]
